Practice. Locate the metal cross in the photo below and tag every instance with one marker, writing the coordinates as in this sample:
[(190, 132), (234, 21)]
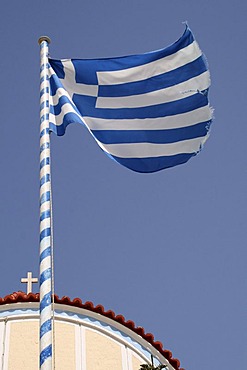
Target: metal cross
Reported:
[(29, 280)]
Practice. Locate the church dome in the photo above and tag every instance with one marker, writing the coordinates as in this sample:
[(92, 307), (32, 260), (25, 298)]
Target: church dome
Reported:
[(87, 337)]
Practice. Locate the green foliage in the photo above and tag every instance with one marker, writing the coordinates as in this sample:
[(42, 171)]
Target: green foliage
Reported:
[(152, 367)]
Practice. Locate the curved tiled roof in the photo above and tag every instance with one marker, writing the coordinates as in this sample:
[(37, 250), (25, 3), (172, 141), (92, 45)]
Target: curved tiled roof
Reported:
[(17, 297)]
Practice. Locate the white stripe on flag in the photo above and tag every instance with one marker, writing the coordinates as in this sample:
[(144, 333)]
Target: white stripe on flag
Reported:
[(54, 100), (161, 123), (163, 65), (66, 108), (144, 150), (169, 94)]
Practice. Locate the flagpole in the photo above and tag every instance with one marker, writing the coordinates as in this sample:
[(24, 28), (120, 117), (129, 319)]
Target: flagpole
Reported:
[(45, 279)]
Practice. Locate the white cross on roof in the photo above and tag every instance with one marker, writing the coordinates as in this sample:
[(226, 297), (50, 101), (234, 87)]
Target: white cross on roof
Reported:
[(29, 280)]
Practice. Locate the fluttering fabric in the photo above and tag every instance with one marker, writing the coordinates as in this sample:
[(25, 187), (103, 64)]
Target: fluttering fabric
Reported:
[(148, 112)]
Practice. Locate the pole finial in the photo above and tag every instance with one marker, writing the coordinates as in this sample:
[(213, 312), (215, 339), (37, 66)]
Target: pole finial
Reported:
[(44, 38)]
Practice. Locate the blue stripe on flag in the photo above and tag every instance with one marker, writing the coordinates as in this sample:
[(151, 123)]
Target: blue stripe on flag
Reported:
[(58, 68), (159, 82), (67, 119), (151, 136), (56, 109), (86, 104), (153, 164), (55, 84)]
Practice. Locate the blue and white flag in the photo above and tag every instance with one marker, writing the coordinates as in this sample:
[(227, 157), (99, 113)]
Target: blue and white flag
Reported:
[(148, 112)]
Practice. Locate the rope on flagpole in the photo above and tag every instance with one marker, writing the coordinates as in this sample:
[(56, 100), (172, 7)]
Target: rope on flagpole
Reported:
[(53, 285), (46, 352)]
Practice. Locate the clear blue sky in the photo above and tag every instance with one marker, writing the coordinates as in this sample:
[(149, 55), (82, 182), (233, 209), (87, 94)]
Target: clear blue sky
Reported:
[(166, 250)]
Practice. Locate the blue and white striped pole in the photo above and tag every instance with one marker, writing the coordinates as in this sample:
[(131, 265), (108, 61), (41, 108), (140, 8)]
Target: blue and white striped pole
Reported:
[(46, 362)]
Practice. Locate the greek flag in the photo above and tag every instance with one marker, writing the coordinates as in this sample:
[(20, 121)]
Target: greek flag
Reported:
[(148, 112)]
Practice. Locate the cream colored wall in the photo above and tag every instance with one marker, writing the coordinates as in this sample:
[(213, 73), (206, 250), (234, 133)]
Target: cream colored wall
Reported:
[(23, 345), (65, 346), (102, 352), (2, 340), (23, 353), (75, 348), (136, 362)]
